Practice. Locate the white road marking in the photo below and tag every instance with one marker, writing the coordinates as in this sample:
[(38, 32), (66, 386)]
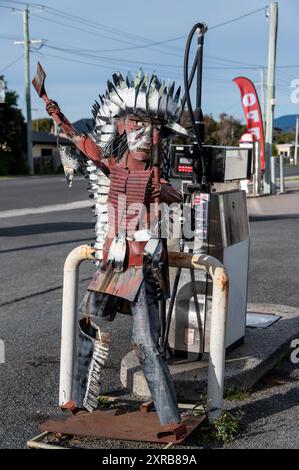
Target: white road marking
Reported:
[(45, 209)]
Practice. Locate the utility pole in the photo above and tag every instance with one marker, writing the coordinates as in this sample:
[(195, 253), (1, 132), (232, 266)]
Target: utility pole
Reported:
[(263, 95), (296, 141), (269, 177), (27, 90), (26, 44)]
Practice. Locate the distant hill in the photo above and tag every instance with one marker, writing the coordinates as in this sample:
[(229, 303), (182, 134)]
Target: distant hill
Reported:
[(286, 123)]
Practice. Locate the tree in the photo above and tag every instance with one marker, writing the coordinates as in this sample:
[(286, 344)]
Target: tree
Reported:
[(230, 130), (12, 136), (185, 120), (227, 131), (211, 130), (284, 137), (42, 125)]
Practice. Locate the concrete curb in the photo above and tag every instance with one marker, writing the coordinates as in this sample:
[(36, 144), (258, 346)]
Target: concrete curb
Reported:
[(262, 350)]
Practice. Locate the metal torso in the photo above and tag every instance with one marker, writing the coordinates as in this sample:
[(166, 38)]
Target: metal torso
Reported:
[(129, 200), (128, 212)]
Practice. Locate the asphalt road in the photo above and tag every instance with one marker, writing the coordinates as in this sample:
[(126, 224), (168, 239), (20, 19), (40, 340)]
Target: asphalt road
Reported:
[(23, 192), (32, 253), (290, 170)]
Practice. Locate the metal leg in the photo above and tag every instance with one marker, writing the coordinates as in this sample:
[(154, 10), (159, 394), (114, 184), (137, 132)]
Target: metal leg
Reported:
[(145, 337), (92, 350)]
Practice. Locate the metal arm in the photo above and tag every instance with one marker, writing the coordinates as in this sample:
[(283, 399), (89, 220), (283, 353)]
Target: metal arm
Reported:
[(83, 142)]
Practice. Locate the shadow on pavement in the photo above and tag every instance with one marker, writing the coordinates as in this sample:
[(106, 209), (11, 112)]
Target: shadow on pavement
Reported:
[(264, 218), (44, 245), (54, 227)]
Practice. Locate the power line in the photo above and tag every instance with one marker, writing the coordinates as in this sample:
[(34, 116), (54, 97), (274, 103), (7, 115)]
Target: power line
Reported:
[(218, 80), (285, 75), (231, 67), (92, 24), (291, 66), (232, 61), (237, 18), (93, 33), (4, 37), (107, 50), (104, 27), (66, 15), (111, 30), (216, 59), (232, 20), (111, 59), (117, 31), (98, 65), (92, 53), (10, 8), (74, 18), (153, 64), (11, 64)]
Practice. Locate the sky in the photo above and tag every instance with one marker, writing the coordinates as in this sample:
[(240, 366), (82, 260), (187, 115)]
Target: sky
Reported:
[(83, 42)]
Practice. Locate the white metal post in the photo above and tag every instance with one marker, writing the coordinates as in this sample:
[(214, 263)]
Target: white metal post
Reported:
[(217, 344), (281, 175), (256, 169), (218, 323), (296, 141), (69, 319), (273, 174)]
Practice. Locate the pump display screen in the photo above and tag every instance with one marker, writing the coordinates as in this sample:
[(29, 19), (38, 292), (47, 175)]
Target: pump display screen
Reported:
[(222, 163), (183, 161)]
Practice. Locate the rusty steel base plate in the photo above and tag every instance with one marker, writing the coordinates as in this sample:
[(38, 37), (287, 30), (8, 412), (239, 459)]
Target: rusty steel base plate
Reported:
[(122, 425)]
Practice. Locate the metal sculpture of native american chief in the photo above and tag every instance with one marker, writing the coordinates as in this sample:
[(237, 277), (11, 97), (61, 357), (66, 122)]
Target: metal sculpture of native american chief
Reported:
[(131, 122)]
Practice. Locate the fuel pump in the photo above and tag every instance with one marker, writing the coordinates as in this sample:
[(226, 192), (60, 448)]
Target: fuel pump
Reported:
[(209, 177)]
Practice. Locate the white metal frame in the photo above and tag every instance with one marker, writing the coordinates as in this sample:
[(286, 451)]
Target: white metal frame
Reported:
[(218, 320)]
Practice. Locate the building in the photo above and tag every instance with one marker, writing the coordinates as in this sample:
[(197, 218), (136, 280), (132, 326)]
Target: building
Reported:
[(44, 145), (45, 152), (287, 150)]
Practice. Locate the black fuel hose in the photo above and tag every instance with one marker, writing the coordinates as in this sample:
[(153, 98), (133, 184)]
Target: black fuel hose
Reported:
[(188, 99)]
